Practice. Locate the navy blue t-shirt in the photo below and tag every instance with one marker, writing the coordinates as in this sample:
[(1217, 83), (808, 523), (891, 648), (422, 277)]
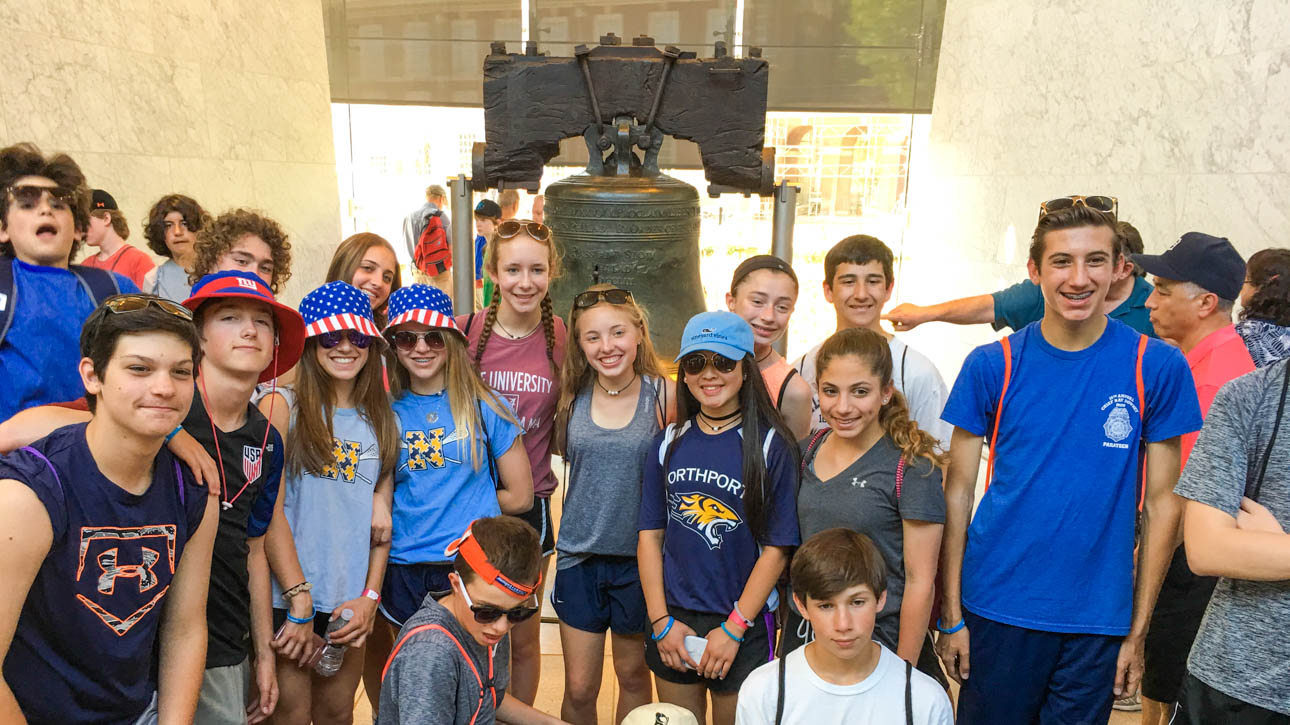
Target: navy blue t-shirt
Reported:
[(1023, 303), (83, 648), (1051, 544), (708, 548)]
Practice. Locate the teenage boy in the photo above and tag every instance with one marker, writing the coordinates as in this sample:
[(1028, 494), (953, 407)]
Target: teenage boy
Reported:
[(107, 232), (487, 216), (451, 662), (43, 204), (171, 230), (1045, 608), (839, 586), (109, 539), (1023, 302), (1237, 491), (245, 241), (1197, 282), (857, 281)]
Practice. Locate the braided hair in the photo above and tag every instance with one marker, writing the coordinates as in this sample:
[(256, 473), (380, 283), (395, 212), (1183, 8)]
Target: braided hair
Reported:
[(548, 314)]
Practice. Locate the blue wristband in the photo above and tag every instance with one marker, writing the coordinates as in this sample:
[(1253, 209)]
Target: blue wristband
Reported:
[(730, 634), (670, 621), (298, 620), (962, 623), (172, 433)]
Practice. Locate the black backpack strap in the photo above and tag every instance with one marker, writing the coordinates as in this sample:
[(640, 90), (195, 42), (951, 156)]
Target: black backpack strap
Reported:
[(779, 698), (909, 693), (1253, 493), (783, 387), (488, 447), (903, 354), (99, 283), (8, 296)]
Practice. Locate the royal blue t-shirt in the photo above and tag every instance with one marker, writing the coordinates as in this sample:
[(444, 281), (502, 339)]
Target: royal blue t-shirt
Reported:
[(1051, 544), (708, 548), (481, 243), (1023, 303), (83, 651), (437, 490), (40, 355)]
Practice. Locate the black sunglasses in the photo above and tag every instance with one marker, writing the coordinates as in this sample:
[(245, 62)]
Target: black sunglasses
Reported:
[(407, 341), (1108, 204), (486, 614), (28, 196), (328, 340), (133, 303), (696, 362), (591, 298), (512, 227)]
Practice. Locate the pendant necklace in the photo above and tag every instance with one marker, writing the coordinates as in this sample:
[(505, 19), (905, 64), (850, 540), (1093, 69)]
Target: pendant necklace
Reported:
[(614, 393), (718, 428)]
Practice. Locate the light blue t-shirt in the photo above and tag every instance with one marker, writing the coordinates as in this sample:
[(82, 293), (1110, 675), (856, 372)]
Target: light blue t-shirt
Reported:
[(40, 354), (1051, 544), (437, 492), (331, 514)]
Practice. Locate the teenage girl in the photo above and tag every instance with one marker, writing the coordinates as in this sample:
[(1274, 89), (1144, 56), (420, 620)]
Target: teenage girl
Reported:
[(518, 347), (717, 518), (367, 261), (461, 459), (611, 407), (342, 444), (874, 471), (763, 291)]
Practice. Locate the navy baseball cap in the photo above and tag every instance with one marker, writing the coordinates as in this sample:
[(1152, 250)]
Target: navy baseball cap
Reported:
[(719, 331), (1210, 262), (488, 208), (100, 199)]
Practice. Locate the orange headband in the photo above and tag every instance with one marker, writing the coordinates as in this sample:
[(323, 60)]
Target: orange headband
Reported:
[(474, 554)]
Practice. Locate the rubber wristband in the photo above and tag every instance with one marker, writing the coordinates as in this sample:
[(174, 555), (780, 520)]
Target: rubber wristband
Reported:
[(670, 621), (738, 617), (298, 620), (730, 634), (962, 623), (372, 594), (172, 433)]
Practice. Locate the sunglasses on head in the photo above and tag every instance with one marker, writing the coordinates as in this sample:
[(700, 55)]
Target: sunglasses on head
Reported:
[(1108, 204), (591, 298), (407, 341), (328, 340), (133, 303), (29, 195), (512, 227), (486, 614), (696, 362)]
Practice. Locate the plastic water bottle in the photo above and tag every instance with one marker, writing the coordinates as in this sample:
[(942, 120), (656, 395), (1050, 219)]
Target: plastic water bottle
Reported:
[(333, 654)]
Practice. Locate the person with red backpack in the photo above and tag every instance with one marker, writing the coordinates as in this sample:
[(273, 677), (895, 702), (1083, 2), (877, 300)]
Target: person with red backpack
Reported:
[(426, 233), (1044, 612)]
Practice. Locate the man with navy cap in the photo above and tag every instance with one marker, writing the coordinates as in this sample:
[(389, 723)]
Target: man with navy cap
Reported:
[(1197, 280)]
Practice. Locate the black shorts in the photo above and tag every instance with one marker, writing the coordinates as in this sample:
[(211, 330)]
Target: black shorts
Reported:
[(1200, 704), (1174, 623), (539, 517), (753, 653), (406, 586), (320, 621)]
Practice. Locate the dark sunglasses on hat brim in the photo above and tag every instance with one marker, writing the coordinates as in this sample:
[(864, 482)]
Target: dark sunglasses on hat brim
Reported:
[(696, 362), (407, 341), (328, 340), (513, 227), (29, 195), (591, 298), (1108, 204)]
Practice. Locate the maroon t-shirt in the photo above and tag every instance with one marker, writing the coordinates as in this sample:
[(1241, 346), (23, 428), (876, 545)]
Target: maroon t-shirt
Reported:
[(521, 373)]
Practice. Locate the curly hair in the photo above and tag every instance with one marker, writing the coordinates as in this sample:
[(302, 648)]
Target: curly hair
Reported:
[(1269, 272), (216, 238), (25, 159), (154, 225)]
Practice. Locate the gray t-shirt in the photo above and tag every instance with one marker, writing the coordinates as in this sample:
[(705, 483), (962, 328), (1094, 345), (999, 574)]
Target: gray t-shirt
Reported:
[(429, 681), (168, 280), (603, 493), (863, 498), (1241, 649)]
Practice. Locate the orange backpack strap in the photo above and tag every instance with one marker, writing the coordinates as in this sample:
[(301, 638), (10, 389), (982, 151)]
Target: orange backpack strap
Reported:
[(464, 654), (1142, 396), (998, 409)]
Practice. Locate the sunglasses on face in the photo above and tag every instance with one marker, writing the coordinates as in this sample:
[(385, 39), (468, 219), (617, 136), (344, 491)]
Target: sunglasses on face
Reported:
[(512, 227), (407, 341), (328, 340), (1108, 204), (696, 362), (591, 298), (133, 303), (28, 196), (485, 614)]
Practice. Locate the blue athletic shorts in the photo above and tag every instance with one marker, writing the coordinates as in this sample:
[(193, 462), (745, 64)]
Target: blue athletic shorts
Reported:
[(600, 593), (406, 586)]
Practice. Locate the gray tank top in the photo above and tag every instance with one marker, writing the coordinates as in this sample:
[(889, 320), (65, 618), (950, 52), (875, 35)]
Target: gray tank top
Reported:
[(603, 489)]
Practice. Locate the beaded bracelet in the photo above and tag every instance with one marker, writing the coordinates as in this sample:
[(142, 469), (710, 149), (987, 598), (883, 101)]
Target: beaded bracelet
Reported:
[(670, 621), (297, 589), (731, 634)]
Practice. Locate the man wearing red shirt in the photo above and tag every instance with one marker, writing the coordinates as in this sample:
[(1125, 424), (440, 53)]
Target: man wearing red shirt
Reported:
[(107, 233)]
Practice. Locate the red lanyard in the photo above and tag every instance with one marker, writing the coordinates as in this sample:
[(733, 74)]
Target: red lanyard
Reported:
[(227, 503)]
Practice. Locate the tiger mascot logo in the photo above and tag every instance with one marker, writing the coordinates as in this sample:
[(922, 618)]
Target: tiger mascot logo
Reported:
[(704, 515)]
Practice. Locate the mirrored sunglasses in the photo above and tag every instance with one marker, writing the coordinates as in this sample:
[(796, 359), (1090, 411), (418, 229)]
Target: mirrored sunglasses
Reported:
[(591, 298), (512, 227), (1108, 204), (696, 362), (328, 340), (407, 341), (133, 303)]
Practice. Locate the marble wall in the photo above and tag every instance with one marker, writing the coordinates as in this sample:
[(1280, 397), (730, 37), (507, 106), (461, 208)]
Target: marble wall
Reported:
[(226, 102), (1176, 108)]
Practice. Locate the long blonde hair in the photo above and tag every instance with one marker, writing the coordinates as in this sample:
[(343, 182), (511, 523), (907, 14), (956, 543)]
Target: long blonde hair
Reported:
[(577, 373), (465, 388), (873, 350)]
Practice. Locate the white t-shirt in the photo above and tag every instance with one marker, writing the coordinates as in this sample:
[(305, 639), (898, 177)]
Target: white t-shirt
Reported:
[(916, 377), (878, 698)]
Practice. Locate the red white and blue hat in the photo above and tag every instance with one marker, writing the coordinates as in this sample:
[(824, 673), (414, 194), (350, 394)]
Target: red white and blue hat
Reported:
[(337, 306), (421, 303), (289, 328)]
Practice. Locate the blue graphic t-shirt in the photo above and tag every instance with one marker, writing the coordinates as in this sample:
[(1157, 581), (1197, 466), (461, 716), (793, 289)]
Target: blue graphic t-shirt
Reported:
[(42, 349), (437, 490), (708, 548), (1051, 544), (83, 650)]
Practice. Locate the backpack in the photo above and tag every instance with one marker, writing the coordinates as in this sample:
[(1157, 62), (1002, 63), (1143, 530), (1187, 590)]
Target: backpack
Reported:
[(98, 283), (433, 254), (483, 684), (909, 692)]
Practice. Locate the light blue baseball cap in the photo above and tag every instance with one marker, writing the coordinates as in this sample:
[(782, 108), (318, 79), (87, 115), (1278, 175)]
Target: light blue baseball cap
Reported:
[(719, 331)]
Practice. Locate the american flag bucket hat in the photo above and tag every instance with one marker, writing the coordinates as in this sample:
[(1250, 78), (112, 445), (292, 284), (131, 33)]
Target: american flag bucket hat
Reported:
[(337, 306), (421, 303)]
